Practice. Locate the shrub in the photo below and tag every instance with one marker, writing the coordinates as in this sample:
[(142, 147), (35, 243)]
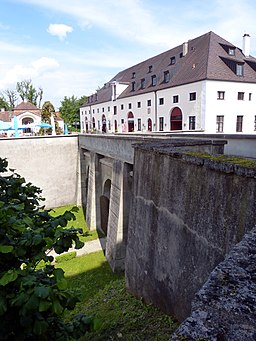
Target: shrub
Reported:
[(32, 298)]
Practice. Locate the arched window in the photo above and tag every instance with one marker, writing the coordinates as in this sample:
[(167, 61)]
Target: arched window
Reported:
[(130, 122), (176, 119), (104, 124)]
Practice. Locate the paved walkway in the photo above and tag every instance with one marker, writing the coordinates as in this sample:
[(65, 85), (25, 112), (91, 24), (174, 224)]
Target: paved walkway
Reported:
[(89, 247)]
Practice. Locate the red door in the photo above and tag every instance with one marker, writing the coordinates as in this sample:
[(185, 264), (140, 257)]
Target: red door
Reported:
[(176, 119)]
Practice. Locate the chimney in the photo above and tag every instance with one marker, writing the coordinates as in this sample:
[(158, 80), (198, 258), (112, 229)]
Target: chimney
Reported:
[(184, 48), (246, 44)]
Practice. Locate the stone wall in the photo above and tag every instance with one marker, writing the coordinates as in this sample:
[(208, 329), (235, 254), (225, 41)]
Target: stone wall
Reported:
[(49, 162), (187, 213), (225, 307)]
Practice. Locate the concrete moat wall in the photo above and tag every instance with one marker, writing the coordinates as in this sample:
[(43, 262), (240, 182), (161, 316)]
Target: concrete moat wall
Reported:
[(187, 213)]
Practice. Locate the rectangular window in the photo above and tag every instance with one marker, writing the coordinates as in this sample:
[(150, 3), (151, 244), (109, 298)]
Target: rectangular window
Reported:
[(166, 76), (139, 124), (254, 123), (192, 122), (172, 60), (250, 96), (122, 107), (133, 75), (98, 110), (153, 80), (175, 99), (150, 68), (219, 124), (161, 123), (142, 83), (102, 109), (129, 105), (239, 69), (149, 102), (98, 125), (239, 124), (221, 95), (108, 108), (93, 111), (122, 120), (192, 96), (231, 51), (161, 101), (139, 104), (133, 86), (115, 109), (240, 96)]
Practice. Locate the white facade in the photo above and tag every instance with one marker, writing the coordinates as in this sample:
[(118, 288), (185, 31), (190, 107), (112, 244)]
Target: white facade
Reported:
[(216, 98)]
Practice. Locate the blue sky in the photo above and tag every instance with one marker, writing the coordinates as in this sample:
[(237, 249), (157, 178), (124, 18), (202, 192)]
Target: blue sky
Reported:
[(73, 47)]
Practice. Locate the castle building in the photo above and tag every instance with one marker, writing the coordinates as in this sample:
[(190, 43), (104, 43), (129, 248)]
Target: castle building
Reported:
[(205, 85)]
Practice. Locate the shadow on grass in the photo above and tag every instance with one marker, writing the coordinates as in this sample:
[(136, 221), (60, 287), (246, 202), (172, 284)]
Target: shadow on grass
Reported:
[(117, 314)]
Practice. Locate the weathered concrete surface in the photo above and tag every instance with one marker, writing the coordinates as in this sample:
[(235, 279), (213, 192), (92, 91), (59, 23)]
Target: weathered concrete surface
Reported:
[(186, 215), (50, 162), (225, 307)]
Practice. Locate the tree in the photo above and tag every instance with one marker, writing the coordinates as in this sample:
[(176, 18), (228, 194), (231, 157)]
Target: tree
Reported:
[(4, 104), (47, 111), (69, 110), (27, 91), (32, 297), (11, 97)]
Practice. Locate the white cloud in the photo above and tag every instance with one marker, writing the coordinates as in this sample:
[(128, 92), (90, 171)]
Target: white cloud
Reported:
[(45, 64), (59, 30)]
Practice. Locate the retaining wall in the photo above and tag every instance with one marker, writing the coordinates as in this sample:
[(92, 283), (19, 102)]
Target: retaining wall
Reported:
[(187, 213), (48, 162)]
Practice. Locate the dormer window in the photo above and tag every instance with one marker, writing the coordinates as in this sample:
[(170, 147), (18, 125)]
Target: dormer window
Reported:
[(239, 69), (172, 60), (166, 76), (231, 51), (150, 68), (153, 80), (133, 74), (133, 86), (142, 83)]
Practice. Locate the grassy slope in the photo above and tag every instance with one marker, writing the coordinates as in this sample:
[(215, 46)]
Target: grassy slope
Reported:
[(118, 315), (78, 223)]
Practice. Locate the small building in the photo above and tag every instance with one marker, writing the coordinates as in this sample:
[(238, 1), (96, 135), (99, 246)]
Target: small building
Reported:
[(205, 85)]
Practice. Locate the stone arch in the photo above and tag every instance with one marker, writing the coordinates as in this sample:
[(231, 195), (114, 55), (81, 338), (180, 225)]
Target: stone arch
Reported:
[(104, 206), (176, 119)]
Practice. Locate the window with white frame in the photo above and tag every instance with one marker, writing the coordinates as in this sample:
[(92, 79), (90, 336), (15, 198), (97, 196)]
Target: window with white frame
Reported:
[(192, 96), (250, 96), (149, 102), (221, 95), (161, 123), (139, 104), (240, 96), (153, 80), (175, 99), (161, 101), (192, 122), (139, 124), (239, 124), (219, 123)]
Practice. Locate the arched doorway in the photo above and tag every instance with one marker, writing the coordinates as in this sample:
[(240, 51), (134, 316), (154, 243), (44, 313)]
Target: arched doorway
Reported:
[(104, 206), (149, 124), (130, 122), (115, 126), (27, 121), (104, 124), (176, 119)]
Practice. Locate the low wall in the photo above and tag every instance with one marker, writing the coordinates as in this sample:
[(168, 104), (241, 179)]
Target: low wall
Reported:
[(187, 213), (224, 309), (48, 162)]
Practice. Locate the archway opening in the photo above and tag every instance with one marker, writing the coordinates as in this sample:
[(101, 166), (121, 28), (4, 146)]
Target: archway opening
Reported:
[(130, 122), (104, 124), (26, 122), (104, 206), (149, 124), (176, 119)]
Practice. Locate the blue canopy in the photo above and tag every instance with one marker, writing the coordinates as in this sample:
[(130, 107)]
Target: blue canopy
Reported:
[(44, 125), (5, 125)]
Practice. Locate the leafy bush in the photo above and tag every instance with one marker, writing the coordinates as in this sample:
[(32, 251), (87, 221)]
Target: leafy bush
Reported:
[(65, 257), (33, 299)]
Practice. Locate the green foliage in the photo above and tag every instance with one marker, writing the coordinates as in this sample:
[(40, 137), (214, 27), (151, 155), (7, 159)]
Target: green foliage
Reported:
[(117, 314), (11, 98), (70, 109), (27, 91), (65, 257), (240, 161), (33, 299), (4, 104)]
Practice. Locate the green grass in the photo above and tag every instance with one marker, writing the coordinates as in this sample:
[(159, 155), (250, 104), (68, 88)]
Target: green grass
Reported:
[(117, 314), (78, 223), (226, 158)]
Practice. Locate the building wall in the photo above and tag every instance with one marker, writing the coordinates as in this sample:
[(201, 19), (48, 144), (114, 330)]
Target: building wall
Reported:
[(186, 215), (50, 163)]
